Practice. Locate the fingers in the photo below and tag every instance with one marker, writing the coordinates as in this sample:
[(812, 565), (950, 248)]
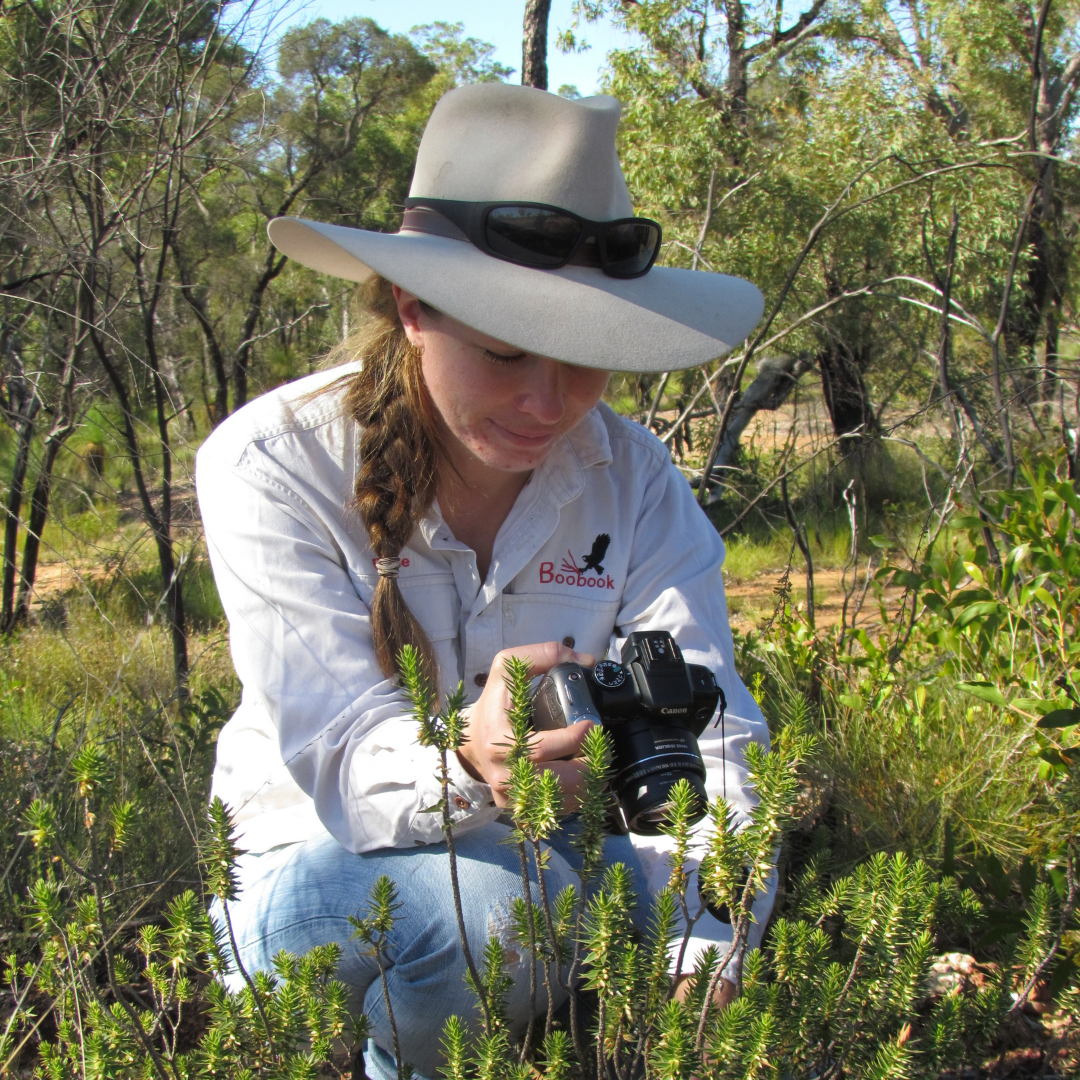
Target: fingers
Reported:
[(541, 657), (570, 775), (560, 742)]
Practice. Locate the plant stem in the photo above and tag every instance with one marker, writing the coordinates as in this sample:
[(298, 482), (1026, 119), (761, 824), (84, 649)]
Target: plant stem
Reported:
[(523, 856), (389, 1008), (246, 977), (448, 829), (156, 1059), (552, 964)]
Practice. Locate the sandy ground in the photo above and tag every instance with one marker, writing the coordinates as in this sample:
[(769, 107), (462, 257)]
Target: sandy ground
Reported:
[(751, 602)]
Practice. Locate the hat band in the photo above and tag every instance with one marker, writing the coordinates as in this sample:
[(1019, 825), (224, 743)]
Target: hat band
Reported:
[(422, 219)]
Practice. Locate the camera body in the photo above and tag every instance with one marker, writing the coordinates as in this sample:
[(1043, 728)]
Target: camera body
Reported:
[(654, 705)]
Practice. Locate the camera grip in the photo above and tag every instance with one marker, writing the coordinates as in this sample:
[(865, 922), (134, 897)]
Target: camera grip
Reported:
[(563, 698)]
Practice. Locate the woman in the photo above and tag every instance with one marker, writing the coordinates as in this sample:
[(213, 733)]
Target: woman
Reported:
[(457, 485)]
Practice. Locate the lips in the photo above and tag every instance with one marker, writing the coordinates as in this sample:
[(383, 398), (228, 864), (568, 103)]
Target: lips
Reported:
[(523, 438)]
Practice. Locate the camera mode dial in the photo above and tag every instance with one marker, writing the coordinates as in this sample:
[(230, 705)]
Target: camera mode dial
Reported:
[(609, 674)]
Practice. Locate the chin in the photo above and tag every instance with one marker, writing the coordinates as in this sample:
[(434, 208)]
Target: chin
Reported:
[(510, 459)]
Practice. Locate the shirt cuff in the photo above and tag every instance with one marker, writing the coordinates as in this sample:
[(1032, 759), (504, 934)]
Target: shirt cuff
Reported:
[(469, 798)]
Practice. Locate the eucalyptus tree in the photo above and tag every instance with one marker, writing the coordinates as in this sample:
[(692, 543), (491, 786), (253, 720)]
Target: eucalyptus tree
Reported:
[(823, 158), (107, 101), (327, 140)]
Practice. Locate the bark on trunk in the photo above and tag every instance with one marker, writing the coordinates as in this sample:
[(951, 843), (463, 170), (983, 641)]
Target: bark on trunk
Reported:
[(62, 428), (846, 396), (534, 70), (273, 266), (738, 79), (27, 414), (174, 600), (39, 514), (775, 380)]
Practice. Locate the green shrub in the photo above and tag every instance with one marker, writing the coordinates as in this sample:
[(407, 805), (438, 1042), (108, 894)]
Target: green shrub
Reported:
[(840, 986), (922, 790)]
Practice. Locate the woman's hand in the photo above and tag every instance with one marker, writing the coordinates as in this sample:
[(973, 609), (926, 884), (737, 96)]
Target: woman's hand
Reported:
[(488, 735), (723, 995)]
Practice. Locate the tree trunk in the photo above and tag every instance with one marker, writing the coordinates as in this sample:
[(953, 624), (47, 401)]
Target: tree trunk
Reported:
[(273, 266), (775, 380), (63, 426), (770, 389), (26, 414), (534, 70), (846, 396), (174, 600), (738, 75), (1050, 354), (39, 513)]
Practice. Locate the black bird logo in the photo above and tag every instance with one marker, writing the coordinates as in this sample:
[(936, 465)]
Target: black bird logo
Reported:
[(594, 560)]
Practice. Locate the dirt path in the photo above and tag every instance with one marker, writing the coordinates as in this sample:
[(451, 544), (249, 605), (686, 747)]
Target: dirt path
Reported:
[(752, 601)]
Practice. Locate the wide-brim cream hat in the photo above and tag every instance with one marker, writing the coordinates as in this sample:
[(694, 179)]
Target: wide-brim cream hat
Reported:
[(491, 142)]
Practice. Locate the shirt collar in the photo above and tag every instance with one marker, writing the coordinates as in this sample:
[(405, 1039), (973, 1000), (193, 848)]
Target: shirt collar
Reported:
[(590, 439)]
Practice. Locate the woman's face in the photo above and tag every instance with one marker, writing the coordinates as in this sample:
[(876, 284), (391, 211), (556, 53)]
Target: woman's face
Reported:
[(506, 407)]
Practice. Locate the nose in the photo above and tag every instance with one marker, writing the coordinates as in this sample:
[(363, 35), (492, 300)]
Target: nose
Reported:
[(543, 396)]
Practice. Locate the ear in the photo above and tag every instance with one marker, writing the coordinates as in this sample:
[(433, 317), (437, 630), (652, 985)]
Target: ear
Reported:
[(409, 312)]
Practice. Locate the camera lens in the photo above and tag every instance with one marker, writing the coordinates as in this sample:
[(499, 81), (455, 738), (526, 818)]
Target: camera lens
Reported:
[(649, 761)]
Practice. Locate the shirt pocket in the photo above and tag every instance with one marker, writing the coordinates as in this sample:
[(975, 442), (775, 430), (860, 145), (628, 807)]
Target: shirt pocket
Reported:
[(585, 622), (434, 600)]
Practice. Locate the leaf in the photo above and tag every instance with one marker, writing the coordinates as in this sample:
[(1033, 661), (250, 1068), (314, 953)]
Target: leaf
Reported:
[(909, 579), (1060, 718), (975, 611), (984, 691), (974, 573), (967, 521), (433, 809)]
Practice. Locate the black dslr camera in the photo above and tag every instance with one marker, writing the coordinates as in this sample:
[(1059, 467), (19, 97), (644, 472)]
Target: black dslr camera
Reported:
[(655, 705)]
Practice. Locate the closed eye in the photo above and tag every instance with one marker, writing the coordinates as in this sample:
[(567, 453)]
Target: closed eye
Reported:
[(500, 358)]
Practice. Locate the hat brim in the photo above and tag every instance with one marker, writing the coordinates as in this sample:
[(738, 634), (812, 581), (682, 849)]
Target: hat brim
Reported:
[(667, 320)]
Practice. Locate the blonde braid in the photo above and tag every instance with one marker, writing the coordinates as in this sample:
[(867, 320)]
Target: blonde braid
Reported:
[(399, 454)]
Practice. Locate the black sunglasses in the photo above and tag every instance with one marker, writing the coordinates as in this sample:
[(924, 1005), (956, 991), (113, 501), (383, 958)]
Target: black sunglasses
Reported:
[(547, 237)]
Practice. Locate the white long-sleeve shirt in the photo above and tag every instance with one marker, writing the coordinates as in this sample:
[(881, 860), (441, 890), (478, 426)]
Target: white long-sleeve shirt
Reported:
[(322, 740)]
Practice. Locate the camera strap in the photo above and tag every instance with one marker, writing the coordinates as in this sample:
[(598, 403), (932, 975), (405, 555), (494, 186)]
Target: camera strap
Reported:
[(723, 740)]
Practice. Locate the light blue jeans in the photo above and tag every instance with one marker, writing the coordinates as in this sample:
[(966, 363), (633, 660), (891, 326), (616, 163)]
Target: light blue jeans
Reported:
[(305, 897)]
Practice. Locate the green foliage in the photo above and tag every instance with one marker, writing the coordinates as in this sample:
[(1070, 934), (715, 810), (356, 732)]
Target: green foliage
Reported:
[(839, 985), (466, 59), (122, 1005)]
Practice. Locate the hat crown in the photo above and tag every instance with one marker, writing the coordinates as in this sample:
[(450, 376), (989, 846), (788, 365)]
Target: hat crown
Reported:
[(490, 142)]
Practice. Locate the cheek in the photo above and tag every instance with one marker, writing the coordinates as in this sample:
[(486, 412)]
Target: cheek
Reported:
[(586, 388), (456, 386)]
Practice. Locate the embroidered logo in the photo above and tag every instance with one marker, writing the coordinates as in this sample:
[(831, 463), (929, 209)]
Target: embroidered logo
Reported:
[(594, 560), (572, 574)]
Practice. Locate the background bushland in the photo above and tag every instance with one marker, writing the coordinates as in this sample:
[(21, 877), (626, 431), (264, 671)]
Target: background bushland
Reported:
[(892, 458)]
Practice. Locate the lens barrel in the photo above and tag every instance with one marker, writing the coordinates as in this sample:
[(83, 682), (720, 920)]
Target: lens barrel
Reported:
[(650, 759)]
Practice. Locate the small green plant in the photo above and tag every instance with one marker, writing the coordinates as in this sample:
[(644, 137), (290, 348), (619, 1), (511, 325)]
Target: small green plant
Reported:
[(123, 1000)]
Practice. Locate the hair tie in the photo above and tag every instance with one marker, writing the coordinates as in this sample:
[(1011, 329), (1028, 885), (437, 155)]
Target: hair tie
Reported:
[(388, 567)]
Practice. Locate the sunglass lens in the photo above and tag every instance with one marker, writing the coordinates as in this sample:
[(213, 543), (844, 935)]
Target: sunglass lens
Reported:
[(630, 247), (530, 235)]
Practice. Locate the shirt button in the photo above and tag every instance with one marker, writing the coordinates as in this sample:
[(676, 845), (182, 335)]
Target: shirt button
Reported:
[(461, 803), (568, 641), (480, 678)]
